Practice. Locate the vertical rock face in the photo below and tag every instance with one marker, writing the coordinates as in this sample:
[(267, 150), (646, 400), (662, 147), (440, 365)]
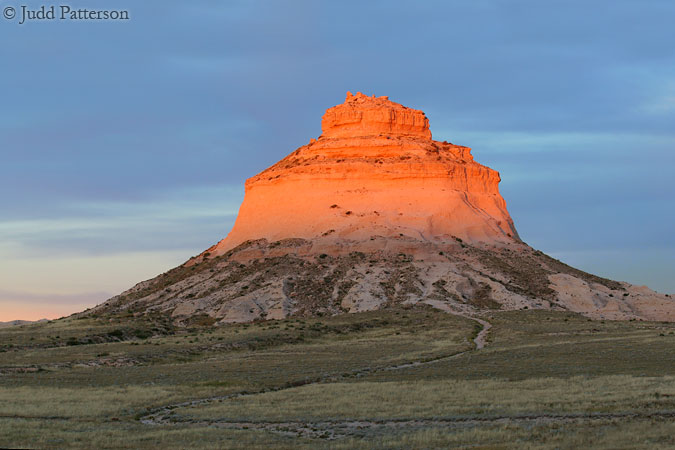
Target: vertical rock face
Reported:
[(375, 171), (360, 115)]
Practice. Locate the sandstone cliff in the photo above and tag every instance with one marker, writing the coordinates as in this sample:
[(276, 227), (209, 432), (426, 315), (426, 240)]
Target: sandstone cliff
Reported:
[(374, 171), (375, 213)]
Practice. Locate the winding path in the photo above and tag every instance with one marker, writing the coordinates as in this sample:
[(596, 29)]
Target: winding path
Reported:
[(326, 429), (481, 338), (335, 429)]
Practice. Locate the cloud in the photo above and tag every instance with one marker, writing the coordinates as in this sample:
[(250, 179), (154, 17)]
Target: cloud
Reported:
[(662, 100), (139, 137), (61, 299), (184, 218)]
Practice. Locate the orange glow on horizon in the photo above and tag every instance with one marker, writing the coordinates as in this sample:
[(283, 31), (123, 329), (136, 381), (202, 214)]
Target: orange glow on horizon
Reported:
[(16, 310)]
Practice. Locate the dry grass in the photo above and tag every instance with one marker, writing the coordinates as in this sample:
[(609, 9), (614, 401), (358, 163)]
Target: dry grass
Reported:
[(537, 363), (604, 434), (449, 398), (83, 402)]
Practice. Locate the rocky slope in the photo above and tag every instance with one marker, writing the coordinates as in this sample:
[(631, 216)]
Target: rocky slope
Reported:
[(371, 214), (272, 280)]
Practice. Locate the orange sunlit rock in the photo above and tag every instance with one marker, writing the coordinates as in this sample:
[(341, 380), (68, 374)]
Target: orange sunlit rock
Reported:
[(361, 115), (375, 171)]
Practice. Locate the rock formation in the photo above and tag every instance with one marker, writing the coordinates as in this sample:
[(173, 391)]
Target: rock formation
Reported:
[(374, 171), (374, 213)]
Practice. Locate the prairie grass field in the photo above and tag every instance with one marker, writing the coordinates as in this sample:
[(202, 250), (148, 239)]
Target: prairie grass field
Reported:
[(394, 378)]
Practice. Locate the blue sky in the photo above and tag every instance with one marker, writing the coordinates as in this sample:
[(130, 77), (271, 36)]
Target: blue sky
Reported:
[(124, 145)]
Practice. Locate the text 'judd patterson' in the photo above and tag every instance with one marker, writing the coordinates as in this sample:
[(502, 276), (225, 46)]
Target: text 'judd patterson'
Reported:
[(62, 12)]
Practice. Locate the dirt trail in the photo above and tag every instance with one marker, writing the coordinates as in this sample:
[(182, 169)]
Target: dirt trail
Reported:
[(164, 415), (336, 429), (481, 338)]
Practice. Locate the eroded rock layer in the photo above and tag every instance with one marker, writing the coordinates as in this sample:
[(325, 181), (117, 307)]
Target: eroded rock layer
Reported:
[(297, 277), (374, 171)]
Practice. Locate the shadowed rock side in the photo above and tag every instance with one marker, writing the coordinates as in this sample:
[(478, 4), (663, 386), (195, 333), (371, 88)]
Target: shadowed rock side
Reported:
[(375, 213)]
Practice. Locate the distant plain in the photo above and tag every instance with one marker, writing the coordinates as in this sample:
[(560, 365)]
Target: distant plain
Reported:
[(395, 378)]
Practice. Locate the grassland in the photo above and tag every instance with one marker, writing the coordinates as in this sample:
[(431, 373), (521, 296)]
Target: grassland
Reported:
[(544, 380)]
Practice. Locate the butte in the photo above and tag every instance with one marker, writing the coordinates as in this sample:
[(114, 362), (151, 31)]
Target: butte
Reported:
[(375, 213)]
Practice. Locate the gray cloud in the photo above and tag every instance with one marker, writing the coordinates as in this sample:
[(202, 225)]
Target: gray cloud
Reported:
[(74, 299), (573, 102)]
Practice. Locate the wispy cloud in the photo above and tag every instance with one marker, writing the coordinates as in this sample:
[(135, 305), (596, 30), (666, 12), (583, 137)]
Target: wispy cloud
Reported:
[(179, 219), (115, 164), (61, 299)]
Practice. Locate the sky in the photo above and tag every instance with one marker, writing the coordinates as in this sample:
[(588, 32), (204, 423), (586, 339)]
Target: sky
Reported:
[(124, 145)]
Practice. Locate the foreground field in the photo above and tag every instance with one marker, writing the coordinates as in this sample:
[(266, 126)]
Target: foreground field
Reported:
[(396, 378)]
